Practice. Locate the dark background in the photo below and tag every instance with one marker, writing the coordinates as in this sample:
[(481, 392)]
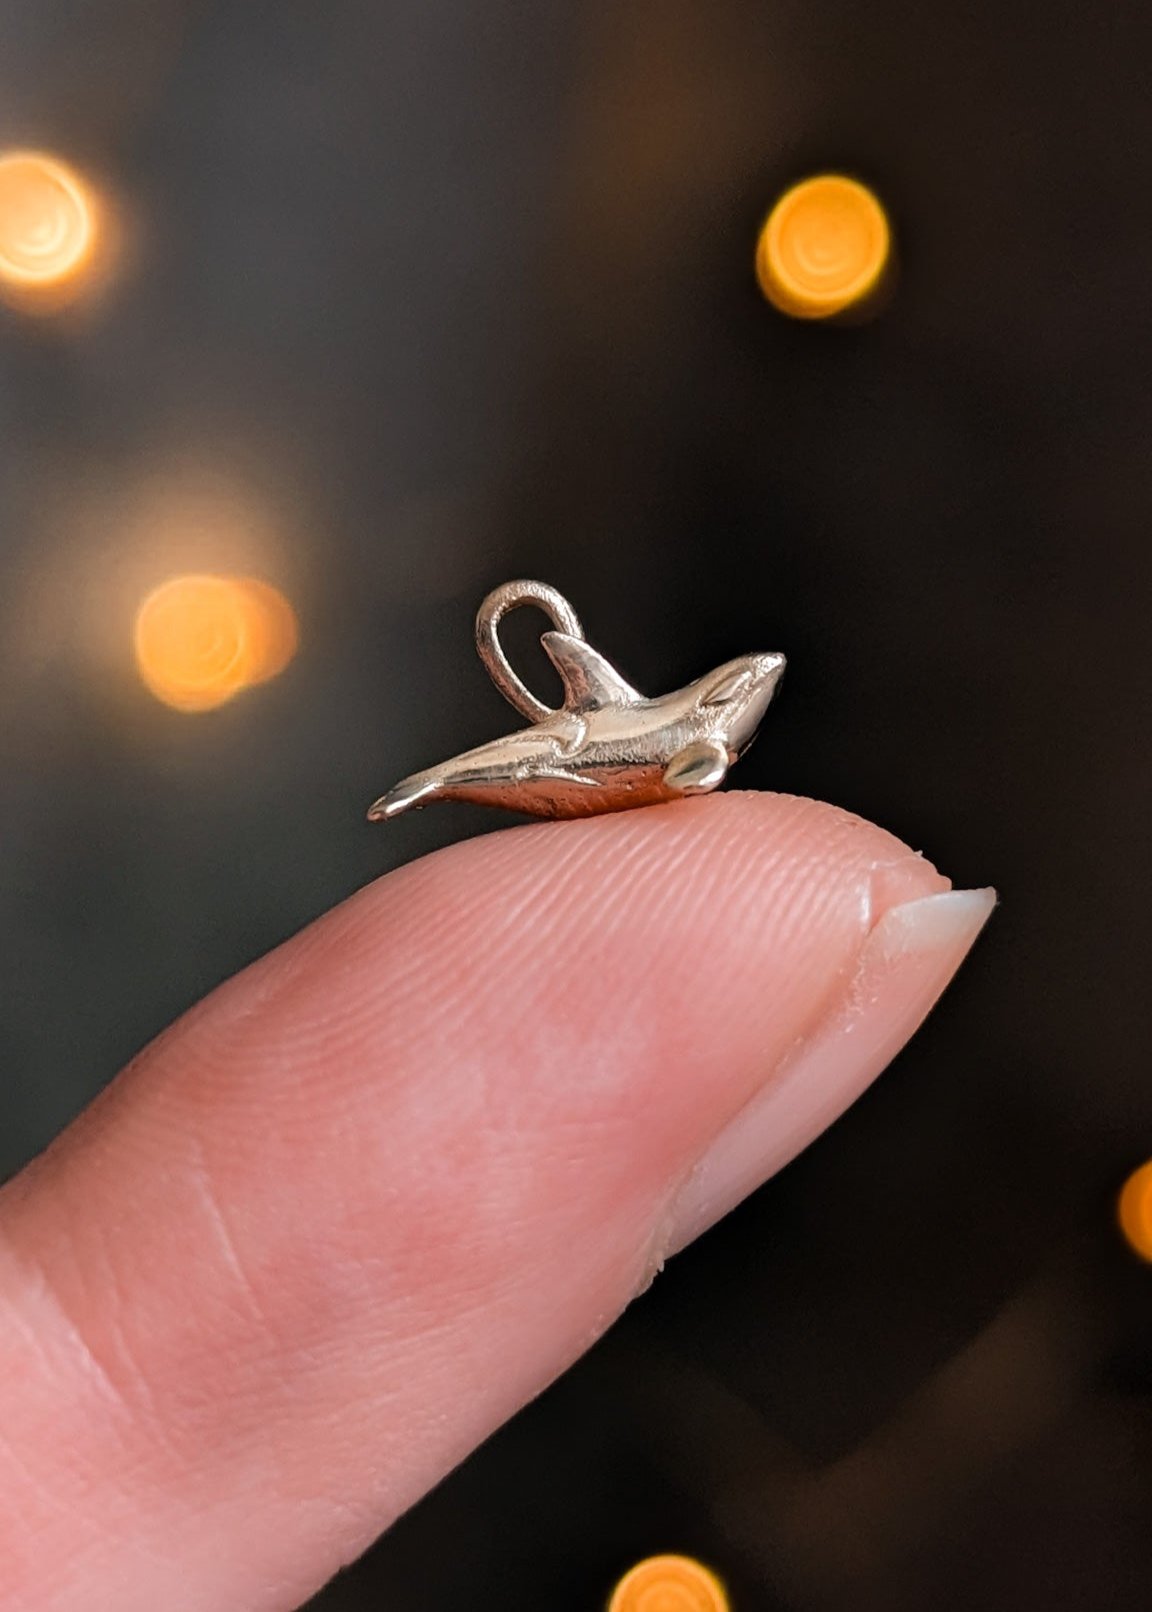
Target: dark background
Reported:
[(456, 290)]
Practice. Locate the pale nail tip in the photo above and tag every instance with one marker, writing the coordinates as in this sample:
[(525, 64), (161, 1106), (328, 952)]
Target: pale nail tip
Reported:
[(935, 923)]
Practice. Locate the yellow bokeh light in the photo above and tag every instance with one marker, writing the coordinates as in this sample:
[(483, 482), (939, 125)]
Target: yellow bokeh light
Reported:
[(823, 248), (669, 1584), (48, 222), (1134, 1211), (199, 640)]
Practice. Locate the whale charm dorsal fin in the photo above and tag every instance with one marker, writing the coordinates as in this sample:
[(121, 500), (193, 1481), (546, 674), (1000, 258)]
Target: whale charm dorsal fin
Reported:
[(590, 681)]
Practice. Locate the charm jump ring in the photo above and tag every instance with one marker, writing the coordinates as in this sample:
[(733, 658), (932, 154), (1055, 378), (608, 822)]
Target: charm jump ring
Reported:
[(491, 651)]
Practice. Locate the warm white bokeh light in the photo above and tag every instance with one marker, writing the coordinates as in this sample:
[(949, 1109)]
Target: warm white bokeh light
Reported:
[(669, 1584), (48, 223), (824, 247), (1134, 1211), (199, 640)]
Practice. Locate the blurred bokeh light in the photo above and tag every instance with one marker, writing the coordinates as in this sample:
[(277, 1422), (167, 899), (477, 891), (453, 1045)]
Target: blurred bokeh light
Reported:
[(1134, 1211), (48, 224), (199, 640), (824, 248), (669, 1584)]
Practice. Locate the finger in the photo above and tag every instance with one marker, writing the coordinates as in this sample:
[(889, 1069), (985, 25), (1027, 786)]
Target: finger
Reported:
[(374, 1193), (906, 961)]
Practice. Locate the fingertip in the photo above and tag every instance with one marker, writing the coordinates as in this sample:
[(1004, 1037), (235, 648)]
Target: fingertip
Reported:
[(320, 1217)]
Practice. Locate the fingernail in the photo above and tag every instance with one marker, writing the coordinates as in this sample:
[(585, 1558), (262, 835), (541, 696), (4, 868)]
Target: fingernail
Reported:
[(905, 963)]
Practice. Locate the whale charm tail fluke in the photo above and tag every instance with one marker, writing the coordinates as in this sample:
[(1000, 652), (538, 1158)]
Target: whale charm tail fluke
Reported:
[(607, 747), (402, 798)]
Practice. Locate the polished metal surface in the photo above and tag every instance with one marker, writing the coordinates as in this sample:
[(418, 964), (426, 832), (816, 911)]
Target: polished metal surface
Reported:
[(607, 747)]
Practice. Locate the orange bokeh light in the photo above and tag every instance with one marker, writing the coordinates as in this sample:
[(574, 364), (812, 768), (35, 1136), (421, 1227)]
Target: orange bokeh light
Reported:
[(669, 1584), (1134, 1211), (823, 248), (48, 222), (200, 640)]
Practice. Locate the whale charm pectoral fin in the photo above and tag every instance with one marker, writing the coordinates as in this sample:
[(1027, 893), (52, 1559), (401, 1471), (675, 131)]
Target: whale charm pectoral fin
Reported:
[(697, 769)]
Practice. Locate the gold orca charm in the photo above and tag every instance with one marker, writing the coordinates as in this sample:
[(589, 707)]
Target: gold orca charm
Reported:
[(606, 748)]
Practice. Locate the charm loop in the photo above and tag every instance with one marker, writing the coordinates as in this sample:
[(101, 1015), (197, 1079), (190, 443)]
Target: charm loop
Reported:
[(491, 651)]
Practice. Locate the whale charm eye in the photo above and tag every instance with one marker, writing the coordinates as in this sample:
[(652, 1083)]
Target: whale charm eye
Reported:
[(726, 690)]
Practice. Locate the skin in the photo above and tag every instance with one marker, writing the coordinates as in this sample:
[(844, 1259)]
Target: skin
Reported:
[(300, 1258)]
